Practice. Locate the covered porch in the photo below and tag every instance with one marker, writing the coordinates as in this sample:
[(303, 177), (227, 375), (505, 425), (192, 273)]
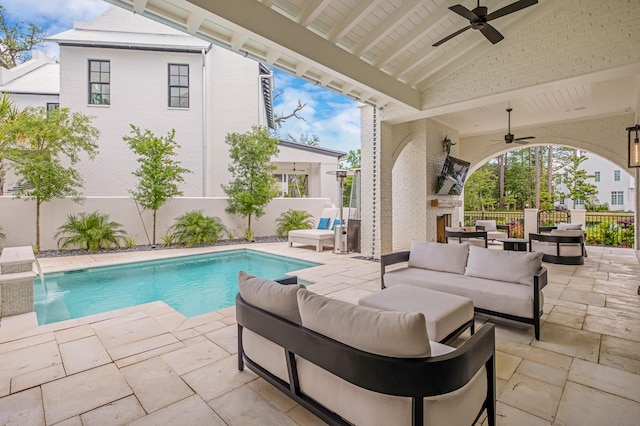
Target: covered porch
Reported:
[(149, 365)]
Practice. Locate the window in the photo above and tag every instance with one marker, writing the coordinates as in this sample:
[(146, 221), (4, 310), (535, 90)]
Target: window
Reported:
[(99, 82), (579, 202), (617, 198), (52, 106), (178, 86), (616, 175), (597, 176)]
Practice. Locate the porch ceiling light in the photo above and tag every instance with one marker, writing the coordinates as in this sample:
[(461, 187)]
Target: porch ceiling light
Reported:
[(634, 146)]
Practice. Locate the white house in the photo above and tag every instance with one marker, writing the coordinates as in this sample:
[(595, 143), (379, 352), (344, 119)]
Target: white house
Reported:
[(124, 69), (616, 187), (33, 83)]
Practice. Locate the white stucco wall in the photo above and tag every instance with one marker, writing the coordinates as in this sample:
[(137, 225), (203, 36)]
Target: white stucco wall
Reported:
[(24, 100), (139, 96), (18, 217)]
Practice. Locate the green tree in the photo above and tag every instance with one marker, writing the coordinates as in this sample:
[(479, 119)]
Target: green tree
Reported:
[(479, 189), (90, 231), (158, 173), (305, 139), (43, 146), (575, 180), (17, 40), (252, 185), (353, 161)]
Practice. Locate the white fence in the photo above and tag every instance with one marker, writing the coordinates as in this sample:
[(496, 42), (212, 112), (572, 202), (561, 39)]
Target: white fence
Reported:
[(18, 217)]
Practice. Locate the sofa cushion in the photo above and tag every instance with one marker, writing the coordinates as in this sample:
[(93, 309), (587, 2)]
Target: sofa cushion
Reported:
[(568, 226), (279, 299), (567, 232), (439, 257), (503, 265), (497, 296), (394, 334), (489, 225)]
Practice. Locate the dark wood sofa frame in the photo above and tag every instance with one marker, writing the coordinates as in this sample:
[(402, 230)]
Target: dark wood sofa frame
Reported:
[(560, 239), (407, 377), (539, 282)]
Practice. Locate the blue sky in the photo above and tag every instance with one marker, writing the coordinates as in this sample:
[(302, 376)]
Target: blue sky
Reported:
[(334, 118)]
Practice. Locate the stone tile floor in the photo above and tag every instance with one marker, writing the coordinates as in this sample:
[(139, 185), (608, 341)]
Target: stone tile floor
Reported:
[(149, 365)]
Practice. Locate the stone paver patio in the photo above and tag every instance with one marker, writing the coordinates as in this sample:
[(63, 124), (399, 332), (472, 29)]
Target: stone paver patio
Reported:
[(149, 365)]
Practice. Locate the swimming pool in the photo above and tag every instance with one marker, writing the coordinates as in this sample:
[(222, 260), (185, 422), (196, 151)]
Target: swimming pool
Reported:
[(192, 285)]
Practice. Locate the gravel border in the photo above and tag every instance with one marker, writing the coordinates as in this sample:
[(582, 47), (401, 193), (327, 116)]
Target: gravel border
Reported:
[(148, 247)]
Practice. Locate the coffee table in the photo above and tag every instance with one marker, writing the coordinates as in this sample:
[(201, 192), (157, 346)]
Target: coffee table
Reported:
[(514, 244)]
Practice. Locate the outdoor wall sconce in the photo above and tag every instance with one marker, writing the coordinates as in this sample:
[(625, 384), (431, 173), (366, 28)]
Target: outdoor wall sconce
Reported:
[(634, 146)]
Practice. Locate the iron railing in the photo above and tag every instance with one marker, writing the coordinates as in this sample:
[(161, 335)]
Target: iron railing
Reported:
[(515, 220)]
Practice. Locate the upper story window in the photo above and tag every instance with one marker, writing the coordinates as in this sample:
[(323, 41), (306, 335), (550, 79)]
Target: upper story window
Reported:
[(616, 175), (51, 106), (597, 176), (617, 198), (178, 86), (99, 82)]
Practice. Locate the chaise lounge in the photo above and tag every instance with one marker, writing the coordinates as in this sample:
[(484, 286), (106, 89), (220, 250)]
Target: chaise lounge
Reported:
[(320, 237)]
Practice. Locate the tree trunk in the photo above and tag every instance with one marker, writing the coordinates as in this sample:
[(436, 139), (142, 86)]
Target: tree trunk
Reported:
[(2, 172), (154, 228), (536, 159), (501, 161), (38, 202), (550, 173)]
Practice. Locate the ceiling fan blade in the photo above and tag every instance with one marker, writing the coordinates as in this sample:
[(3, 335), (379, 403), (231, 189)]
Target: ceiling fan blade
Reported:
[(513, 7), (524, 138), (520, 141), (491, 34), (464, 12), (450, 36)]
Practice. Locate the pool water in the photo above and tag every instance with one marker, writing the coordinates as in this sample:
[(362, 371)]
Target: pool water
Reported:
[(192, 285)]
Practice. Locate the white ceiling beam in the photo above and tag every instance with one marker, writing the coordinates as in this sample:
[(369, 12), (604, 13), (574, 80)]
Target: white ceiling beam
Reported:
[(302, 68), (391, 22), (139, 5), (273, 30), (194, 21), (352, 19), (312, 11), (273, 55), (238, 40), (409, 38)]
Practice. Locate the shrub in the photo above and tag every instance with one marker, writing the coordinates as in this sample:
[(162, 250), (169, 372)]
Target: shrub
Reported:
[(293, 219), (193, 228), (129, 242), (90, 231), (168, 239)]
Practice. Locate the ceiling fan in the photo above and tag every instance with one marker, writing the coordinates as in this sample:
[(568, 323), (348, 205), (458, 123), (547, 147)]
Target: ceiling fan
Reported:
[(510, 138), (478, 19)]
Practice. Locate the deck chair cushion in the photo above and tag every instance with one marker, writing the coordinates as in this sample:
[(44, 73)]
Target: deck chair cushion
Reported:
[(439, 257), (568, 226), (394, 334), (271, 296)]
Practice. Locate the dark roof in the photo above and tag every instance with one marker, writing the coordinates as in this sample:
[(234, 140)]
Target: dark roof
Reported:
[(315, 149), (267, 93)]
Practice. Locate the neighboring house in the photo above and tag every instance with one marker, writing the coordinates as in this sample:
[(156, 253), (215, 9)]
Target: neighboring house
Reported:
[(616, 187), (124, 69), (33, 83)]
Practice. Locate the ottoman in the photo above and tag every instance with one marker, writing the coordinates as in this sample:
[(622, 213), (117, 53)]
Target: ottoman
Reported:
[(447, 315)]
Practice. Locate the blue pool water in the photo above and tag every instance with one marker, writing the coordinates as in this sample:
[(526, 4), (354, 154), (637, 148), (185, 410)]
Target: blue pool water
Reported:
[(192, 285)]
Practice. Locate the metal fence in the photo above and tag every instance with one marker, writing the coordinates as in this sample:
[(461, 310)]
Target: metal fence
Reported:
[(602, 228)]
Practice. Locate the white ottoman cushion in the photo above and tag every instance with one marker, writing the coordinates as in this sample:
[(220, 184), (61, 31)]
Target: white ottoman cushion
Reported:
[(444, 313)]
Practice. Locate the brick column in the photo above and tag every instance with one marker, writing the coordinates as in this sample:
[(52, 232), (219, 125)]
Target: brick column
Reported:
[(530, 222)]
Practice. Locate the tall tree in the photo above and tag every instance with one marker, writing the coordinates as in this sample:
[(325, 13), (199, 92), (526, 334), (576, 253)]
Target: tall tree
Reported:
[(538, 171), (42, 147), (17, 40), (159, 173), (550, 172), (480, 188), (575, 179), (353, 161), (253, 185), (501, 160)]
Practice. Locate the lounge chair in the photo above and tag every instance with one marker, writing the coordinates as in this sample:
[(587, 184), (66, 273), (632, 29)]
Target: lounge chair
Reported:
[(324, 233), (494, 231)]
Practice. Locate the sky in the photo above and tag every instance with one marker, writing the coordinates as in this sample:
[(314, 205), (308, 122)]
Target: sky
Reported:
[(334, 118)]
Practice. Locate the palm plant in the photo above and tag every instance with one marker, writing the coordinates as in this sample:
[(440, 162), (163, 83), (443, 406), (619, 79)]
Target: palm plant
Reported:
[(193, 228), (293, 219), (2, 236), (90, 231)]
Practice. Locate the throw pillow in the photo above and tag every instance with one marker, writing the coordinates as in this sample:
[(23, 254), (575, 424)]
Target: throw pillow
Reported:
[(279, 299), (324, 223), (489, 225), (394, 334), (567, 232), (439, 257), (502, 265), (336, 222), (568, 226)]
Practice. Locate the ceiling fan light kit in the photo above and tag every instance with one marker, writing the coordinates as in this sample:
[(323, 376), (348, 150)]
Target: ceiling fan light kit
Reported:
[(510, 137), (479, 19)]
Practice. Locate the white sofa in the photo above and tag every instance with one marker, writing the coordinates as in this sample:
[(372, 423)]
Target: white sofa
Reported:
[(507, 284), (354, 365), (316, 237)]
